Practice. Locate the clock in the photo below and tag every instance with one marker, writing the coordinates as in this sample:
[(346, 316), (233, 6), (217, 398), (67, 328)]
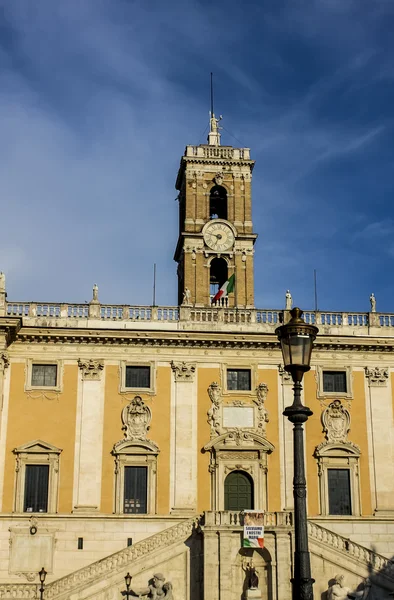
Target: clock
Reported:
[(218, 236)]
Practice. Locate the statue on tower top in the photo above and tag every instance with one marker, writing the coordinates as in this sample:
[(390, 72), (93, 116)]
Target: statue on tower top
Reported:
[(214, 135)]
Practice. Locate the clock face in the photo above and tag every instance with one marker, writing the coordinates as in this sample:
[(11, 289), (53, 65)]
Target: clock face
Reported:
[(219, 236)]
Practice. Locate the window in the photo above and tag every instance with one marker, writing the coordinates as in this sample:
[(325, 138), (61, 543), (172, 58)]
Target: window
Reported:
[(137, 377), (339, 492), (37, 477), (36, 488), (239, 379), (135, 490), (218, 202), (43, 375), (238, 491), (334, 381)]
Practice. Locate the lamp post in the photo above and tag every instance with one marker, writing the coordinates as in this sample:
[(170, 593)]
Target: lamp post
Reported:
[(128, 579), (296, 340), (42, 574)]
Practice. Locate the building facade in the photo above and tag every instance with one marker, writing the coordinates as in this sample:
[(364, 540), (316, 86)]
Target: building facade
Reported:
[(132, 438)]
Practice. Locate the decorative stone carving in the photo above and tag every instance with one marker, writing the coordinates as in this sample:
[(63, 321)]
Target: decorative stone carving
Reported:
[(186, 296), (95, 299), (2, 281), (91, 368), (214, 417), (159, 588), (136, 418), (4, 361), (183, 371), (336, 422), (377, 376), (338, 591), (285, 375), (372, 300), (251, 574), (262, 412), (289, 301), (218, 179)]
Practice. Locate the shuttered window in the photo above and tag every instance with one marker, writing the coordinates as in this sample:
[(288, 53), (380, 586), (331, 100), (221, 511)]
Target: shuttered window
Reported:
[(238, 379), (339, 492), (334, 381), (137, 377), (36, 488), (135, 490), (44, 375)]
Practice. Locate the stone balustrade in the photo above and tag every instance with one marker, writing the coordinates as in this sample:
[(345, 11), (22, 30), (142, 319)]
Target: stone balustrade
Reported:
[(235, 518), (185, 316)]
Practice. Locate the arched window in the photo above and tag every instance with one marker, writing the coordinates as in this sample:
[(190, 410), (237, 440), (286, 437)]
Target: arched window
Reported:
[(238, 491), (218, 202), (218, 275)]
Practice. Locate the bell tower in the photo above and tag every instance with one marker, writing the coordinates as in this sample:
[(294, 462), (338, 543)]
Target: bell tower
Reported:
[(216, 236)]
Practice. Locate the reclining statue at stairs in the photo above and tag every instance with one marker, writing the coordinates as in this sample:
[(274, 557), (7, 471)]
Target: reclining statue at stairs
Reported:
[(159, 589), (338, 591)]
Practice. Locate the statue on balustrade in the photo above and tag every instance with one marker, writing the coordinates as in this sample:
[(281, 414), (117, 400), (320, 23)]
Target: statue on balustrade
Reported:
[(289, 301), (372, 300), (186, 296)]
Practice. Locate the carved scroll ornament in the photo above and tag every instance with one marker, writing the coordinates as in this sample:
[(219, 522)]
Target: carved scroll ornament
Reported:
[(377, 376), (91, 368), (4, 361), (336, 422), (183, 371), (262, 412), (214, 416)]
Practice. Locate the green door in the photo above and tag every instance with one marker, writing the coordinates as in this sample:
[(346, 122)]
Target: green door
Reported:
[(238, 491)]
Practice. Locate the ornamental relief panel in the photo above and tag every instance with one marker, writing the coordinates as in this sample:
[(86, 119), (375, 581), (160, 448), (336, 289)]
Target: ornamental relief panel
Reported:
[(377, 376)]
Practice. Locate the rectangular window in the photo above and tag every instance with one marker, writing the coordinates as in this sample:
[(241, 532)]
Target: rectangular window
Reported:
[(334, 381), (44, 375), (36, 488), (339, 492), (137, 377), (239, 379), (135, 490)]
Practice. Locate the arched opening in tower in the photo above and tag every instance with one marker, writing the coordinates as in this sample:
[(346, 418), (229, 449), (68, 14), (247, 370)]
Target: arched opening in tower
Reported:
[(218, 275), (218, 202)]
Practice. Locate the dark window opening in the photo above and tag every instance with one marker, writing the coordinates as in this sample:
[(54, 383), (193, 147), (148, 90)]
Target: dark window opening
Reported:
[(135, 490), (218, 275), (129, 541), (238, 491), (36, 488), (80, 543), (218, 202), (44, 375), (137, 377), (334, 381), (339, 492), (239, 379)]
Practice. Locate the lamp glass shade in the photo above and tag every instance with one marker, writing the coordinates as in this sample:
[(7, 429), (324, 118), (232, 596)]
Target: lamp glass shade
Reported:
[(42, 575), (128, 580), (297, 350)]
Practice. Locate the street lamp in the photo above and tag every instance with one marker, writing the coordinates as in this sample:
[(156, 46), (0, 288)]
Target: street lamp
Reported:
[(296, 340), (128, 579), (42, 574)]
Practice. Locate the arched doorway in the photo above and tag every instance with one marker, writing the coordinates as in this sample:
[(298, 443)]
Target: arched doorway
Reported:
[(238, 491)]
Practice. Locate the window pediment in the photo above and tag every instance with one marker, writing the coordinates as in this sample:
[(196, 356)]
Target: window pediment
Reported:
[(342, 449), (135, 447), (37, 447), (236, 438)]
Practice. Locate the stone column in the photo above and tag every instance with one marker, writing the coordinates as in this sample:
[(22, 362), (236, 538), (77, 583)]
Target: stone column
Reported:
[(183, 475), (380, 415), (89, 437), (226, 554), (284, 562), (211, 565), (286, 441)]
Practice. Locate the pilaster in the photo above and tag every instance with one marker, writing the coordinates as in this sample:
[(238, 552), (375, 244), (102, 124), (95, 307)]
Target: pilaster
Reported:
[(89, 436), (380, 409), (183, 474), (285, 398)]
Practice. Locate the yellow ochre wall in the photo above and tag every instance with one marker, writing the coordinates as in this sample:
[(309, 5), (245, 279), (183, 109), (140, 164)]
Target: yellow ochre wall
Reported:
[(314, 436), (33, 416), (159, 433)]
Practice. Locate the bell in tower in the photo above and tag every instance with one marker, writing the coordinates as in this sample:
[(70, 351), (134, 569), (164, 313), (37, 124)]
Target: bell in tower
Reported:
[(215, 244)]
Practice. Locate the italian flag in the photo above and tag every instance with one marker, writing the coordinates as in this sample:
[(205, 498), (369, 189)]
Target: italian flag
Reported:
[(226, 288)]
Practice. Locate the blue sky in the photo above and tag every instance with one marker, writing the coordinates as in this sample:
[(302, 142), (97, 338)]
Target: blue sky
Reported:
[(99, 98)]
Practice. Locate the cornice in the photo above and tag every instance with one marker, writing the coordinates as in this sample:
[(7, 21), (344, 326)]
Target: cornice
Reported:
[(241, 340), (9, 327)]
